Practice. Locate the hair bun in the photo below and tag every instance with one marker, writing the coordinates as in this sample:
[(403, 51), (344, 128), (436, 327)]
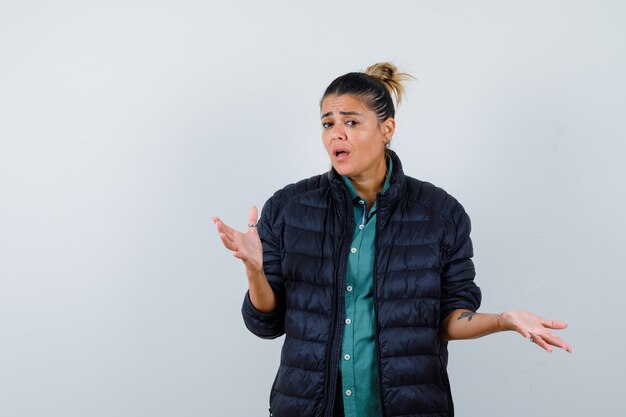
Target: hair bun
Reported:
[(388, 75)]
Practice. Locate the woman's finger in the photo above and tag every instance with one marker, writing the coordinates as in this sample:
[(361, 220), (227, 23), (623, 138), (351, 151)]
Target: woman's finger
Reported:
[(228, 243), (233, 235), (223, 227), (556, 341), (552, 335), (554, 324), (540, 342), (253, 216), (219, 224), (227, 230)]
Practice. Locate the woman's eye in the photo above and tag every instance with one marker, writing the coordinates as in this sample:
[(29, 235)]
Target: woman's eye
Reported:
[(351, 122), (326, 125)]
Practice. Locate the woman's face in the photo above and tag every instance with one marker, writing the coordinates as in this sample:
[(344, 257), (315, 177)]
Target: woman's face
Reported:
[(354, 137)]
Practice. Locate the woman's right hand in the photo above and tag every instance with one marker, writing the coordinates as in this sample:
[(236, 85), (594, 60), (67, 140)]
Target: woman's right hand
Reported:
[(245, 246)]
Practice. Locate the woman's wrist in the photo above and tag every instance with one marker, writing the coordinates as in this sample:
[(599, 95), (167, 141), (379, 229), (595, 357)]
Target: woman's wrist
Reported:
[(503, 322), (254, 273), (498, 317)]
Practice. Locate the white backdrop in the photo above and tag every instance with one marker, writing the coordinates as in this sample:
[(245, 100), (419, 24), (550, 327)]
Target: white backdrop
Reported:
[(125, 125)]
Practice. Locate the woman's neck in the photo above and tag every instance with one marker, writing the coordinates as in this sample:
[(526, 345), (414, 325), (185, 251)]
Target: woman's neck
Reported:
[(369, 184)]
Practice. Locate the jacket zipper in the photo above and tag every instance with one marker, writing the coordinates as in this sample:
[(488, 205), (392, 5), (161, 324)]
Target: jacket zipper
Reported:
[(375, 294), (332, 365)]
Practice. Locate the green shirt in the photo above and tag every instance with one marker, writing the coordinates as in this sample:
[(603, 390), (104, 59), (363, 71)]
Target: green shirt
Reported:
[(359, 366)]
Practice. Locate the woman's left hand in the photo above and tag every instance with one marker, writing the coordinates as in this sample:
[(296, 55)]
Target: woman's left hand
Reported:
[(534, 328)]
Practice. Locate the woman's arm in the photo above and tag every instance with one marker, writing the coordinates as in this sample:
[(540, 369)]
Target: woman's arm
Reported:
[(465, 324), (261, 294)]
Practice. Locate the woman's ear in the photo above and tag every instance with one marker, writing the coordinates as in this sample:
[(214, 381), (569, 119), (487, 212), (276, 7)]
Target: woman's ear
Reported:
[(389, 126)]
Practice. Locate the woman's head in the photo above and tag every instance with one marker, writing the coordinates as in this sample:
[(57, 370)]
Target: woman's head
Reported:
[(358, 122)]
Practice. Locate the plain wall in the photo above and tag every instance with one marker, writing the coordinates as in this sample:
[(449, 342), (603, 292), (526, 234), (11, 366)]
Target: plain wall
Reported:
[(126, 125)]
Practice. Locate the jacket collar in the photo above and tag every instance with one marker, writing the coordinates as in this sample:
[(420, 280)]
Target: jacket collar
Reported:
[(396, 184)]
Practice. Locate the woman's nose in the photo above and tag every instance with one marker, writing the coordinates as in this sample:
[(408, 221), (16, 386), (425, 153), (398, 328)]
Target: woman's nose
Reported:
[(338, 133)]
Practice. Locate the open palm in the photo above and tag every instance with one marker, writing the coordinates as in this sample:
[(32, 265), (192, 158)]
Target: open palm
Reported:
[(245, 246)]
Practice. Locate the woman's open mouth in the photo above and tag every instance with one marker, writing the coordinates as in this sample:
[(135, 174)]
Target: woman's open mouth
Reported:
[(341, 154)]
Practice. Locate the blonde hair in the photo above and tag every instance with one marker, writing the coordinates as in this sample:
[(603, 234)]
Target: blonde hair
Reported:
[(389, 76)]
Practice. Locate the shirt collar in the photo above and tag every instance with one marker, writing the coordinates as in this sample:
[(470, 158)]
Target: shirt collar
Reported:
[(353, 192)]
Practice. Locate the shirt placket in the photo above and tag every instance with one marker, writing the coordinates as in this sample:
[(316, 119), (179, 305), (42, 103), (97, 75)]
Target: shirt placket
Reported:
[(348, 374)]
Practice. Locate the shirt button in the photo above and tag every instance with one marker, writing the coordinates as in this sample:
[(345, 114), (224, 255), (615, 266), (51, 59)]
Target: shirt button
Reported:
[(349, 288), (361, 226), (361, 202), (348, 321), (348, 392), (347, 357), (353, 250)]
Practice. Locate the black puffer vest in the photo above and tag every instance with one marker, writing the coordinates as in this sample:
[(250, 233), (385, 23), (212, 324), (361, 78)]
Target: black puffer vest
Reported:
[(423, 271)]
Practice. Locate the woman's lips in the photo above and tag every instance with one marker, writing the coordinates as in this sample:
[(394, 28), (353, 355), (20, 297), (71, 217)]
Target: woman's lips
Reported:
[(341, 155)]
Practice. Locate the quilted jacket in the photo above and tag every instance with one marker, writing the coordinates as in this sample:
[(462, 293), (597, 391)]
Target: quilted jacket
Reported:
[(422, 272)]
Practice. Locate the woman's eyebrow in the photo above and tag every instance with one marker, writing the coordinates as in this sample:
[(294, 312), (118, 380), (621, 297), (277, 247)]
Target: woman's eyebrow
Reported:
[(345, 113)]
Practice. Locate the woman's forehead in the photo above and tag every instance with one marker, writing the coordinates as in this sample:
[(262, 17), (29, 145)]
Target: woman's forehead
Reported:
[(344, 103)]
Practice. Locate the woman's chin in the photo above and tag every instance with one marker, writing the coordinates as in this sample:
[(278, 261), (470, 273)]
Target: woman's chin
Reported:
[(342, 170)]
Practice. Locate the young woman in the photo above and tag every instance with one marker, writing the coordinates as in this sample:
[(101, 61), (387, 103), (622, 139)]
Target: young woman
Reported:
[(366, 271)]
